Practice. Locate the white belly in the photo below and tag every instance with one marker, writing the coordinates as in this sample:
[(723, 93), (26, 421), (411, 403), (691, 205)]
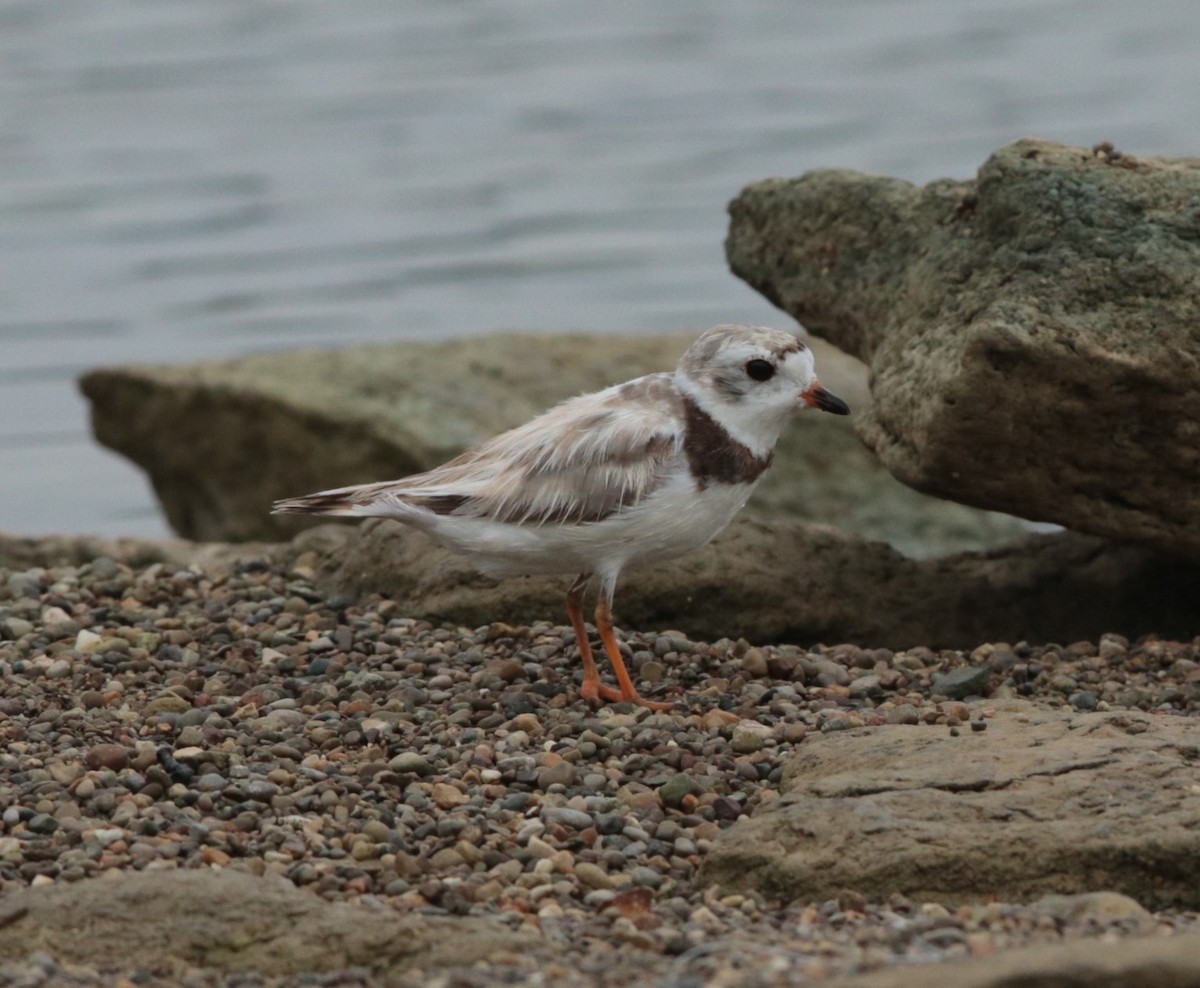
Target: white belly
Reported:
[(675, 520)]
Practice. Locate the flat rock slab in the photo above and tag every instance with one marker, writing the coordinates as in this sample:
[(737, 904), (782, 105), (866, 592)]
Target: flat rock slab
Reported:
[(1031, 334), (1137, 962), (221, 441), (1043, 801), (231, 921), (787, 582)]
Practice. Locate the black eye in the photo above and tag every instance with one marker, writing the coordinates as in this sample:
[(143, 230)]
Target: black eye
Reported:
[(760, 370)]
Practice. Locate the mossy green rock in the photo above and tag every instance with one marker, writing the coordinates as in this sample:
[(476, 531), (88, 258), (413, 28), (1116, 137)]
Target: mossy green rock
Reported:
[(1031, 333)]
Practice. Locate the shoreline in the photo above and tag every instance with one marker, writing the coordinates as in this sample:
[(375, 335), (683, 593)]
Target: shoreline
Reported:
[(218, 715)]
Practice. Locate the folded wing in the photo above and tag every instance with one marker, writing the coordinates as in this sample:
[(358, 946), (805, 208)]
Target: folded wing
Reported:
[(580, 462)]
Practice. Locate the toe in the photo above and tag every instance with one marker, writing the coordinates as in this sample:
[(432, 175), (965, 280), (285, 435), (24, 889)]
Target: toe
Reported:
[(641, 701)]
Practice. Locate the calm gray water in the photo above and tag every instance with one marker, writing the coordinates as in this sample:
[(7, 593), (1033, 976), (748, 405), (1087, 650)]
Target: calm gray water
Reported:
[(206, 179)]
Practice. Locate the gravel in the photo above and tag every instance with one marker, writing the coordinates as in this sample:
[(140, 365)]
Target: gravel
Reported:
[(161, 718)]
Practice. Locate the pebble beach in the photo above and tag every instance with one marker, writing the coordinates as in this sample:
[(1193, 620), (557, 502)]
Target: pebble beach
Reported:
[(165, 716)]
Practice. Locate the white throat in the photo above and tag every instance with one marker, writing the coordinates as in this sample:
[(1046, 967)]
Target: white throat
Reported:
[(756, 428)]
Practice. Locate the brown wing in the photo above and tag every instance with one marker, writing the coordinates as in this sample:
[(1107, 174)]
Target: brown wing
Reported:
[(579, 462)]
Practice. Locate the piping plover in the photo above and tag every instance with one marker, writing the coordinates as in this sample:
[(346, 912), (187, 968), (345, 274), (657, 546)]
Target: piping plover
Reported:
[(633, 474)]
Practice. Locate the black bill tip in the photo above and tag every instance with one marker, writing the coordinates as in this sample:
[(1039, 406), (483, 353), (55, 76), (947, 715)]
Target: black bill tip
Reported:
[(829, 402)]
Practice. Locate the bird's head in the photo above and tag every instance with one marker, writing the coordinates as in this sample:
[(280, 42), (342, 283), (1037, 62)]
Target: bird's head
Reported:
[(752, 380)]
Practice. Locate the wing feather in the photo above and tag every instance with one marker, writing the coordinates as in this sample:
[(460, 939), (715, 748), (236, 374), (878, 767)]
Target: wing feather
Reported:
[(579, 462)]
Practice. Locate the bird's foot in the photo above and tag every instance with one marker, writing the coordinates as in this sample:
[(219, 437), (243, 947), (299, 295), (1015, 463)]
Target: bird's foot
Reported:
[(593, 691)]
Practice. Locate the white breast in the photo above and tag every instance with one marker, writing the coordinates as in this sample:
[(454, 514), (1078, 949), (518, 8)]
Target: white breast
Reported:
[(674, 520)]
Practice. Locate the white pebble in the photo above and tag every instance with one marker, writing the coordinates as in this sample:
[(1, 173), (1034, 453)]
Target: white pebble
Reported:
[(86, 642)]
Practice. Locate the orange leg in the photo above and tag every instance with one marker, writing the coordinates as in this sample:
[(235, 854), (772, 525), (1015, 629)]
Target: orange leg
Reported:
[(627, 693), (592, 689)]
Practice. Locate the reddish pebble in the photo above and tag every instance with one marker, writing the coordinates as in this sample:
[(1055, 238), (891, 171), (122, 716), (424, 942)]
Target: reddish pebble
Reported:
[(215, 856), (111, 756), (632, 903)]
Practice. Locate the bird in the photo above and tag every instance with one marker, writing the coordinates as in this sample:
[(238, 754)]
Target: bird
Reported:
[(631, 475)]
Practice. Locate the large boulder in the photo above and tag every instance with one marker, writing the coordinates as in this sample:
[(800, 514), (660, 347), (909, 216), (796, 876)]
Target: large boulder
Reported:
[(221, 441), (1031, 335), (1040, 802), (777, 581)]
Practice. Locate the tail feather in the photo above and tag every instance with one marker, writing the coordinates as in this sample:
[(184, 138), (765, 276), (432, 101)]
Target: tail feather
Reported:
[(347, 502), (314, 504), (372, 500)]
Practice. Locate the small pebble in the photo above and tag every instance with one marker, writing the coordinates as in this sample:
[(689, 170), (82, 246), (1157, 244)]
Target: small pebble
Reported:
[(411, 761), (110, 756)]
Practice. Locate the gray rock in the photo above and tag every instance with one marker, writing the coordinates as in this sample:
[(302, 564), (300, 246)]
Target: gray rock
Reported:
[(679, 785), (745, 740), (866, 686), (15, 627), (1042, 802), (182, 919), (642, 875), (1099, 907), (781, 581), (1031, 334), (963, 682), (23, 585), (211, 782), (411, 761), (1152, 961), (105, 568), (575, 819), (311, 421), (830, 673), (43, 823)]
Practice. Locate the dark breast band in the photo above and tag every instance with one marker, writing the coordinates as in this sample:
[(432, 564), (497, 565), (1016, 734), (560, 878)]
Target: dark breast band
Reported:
[(713, 454)]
